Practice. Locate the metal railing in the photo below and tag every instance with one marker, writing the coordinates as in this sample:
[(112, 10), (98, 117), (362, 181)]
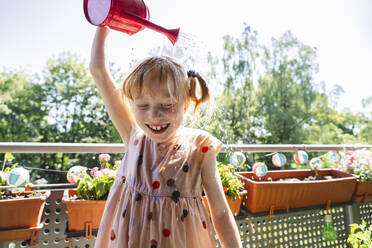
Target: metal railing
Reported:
[(20, 147)]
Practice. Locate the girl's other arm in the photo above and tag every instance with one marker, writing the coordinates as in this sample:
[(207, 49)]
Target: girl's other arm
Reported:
[(223, 219), (118, 111)]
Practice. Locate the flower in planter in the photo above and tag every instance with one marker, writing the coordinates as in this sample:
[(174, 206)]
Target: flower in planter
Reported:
[(230, 182), (358, 162), (97, 184)]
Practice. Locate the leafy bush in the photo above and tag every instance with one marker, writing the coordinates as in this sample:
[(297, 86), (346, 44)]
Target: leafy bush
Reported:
[(360, 235), (230, 182)]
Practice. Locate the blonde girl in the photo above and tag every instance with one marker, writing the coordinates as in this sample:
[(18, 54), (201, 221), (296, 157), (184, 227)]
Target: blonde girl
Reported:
[(156, 200)]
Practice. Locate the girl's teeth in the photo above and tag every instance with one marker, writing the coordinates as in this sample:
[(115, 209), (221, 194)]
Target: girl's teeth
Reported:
[(158, 127)]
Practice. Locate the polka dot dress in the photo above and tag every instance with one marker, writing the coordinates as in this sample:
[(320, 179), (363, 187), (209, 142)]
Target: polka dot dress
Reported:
[(156, 199)]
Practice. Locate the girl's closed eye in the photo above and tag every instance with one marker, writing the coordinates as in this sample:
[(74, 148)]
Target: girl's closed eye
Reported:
[(166, 105), (142, 106)]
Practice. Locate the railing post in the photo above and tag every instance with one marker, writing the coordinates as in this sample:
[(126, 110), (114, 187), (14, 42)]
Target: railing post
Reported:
[(351, 216)]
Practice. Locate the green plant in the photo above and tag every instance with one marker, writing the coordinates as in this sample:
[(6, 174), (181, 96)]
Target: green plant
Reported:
[(4, 173), (360, 235), (97, 185), (230, 182)]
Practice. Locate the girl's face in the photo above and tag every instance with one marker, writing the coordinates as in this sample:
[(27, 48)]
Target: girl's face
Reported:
[(158, 114)]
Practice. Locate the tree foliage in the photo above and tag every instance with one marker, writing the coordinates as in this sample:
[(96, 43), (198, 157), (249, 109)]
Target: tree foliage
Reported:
[(266, 94)]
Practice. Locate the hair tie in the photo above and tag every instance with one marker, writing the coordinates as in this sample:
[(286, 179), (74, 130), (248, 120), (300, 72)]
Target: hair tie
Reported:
[(191, 73)]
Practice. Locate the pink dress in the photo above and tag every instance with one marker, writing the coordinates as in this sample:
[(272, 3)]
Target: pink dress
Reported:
[(156, 198)]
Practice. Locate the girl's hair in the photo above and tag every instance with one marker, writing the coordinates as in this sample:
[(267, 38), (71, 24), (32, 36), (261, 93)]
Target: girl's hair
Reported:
[(182, 86)]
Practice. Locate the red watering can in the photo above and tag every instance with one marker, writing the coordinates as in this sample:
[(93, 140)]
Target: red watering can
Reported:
[(128, 16)]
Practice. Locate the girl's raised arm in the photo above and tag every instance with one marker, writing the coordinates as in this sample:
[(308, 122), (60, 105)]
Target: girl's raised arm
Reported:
[(118, 111)]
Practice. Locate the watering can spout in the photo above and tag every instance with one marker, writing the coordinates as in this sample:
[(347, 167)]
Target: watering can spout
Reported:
[(172, 35)]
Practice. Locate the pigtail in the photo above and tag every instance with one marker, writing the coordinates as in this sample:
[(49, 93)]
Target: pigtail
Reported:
[(198, 96)]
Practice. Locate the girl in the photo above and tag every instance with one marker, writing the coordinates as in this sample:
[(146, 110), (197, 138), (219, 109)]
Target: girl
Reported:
[(155, 200)]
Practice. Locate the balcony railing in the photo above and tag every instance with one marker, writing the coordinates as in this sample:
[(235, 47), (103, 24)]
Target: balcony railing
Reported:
[(296, 228)]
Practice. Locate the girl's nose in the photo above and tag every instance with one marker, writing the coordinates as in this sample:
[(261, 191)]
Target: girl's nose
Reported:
[(155, 112)]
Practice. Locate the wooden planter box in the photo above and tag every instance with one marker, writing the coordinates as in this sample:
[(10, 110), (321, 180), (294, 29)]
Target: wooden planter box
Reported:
[(23, 212), (233, 204), (264, 195), (363, 192), (82, 214)]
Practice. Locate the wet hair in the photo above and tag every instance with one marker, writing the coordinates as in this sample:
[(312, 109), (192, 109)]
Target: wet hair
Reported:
[(182, 85)]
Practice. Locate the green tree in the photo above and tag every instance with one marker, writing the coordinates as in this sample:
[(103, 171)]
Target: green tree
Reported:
[(286, 91)]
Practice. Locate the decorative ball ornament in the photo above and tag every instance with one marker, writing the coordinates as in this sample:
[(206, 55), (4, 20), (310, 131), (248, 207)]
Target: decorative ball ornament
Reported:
[(259, 169), (3, 177), (316, 163), (279, 159), (333, 156), (300, 157), (18, 177), (74, 172), (237, 159)]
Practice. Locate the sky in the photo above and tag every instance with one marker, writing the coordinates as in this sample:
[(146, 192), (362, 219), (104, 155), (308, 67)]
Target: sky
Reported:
[(33, 31)]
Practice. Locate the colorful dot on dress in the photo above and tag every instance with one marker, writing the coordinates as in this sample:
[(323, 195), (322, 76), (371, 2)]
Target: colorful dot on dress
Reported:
[(170, 182), (153, 243), (156, 184), (204, 224), (112, 235), (175, 147), (123, 178), (185, 213), (166, 232), (204, 149), (138, 197), (124, 213), (185, 168), (136, 142), (175, 196), (149, 217)]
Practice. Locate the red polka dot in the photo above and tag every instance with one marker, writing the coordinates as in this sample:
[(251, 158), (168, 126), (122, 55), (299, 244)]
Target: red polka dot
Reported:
[(204, 149), (170, 182), (204, 225), (153, 242), (136, 142), (112, 235), (166, 232), (156, 184)]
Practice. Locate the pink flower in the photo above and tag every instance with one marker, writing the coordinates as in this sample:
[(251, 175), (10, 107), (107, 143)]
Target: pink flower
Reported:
[(104, 156), (93, 171), (107, 171), (99, 173)]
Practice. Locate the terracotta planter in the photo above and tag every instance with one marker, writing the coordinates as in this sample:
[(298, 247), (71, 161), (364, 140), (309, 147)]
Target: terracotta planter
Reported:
[(23, 212), (264, 195), (233, 204), (363, 192), (82, 212)]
